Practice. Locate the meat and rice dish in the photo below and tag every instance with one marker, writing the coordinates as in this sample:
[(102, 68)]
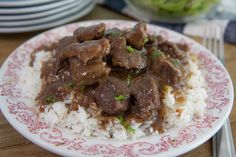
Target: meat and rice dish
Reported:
[(112, 83)]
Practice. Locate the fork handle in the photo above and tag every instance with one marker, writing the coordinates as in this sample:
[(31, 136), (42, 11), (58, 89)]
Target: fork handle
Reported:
[(224, 141)]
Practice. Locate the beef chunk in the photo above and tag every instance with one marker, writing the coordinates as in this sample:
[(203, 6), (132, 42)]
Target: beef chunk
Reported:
[(154, 41), (171, 49), (90, 33), (64, 42), (86, 51), (145, 96), (121, 57), (120, 83), (106, 95), (166, 71), (48, 71), (55, 91), (50, 74), (80, 99), (137, 35), (54, 86), (94, 71), (185, 47)]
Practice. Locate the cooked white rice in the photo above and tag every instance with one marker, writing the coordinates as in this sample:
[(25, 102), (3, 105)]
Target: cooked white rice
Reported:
[(81, 122)]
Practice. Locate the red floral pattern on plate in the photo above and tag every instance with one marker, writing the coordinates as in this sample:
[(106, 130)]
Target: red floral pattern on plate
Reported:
[(219, 91)]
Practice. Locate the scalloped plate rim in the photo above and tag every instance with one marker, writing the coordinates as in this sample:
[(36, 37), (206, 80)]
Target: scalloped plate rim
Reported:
[(178, 151)]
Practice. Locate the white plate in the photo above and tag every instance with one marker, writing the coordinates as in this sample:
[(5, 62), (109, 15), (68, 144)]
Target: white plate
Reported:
[(75, 10), (17, 3), (33, 9), (38, 14), (82, 13), (173, 142)]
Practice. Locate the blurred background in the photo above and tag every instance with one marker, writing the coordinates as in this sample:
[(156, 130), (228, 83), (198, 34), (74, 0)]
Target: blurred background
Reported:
[(30, 15), (185, 16)]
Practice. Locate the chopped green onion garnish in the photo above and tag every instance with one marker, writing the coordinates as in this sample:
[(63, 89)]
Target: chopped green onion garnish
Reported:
[(130, 49), (121, 120), (130, 129), (120, 97), (115, 34), (145, 40), (129, 79), (126, 125), (70, 85), (82, 89), (156, 54), (175, 62), (50, 99)]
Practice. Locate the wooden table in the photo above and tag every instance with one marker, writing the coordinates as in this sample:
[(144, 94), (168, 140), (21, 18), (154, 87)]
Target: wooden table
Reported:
[(12, 144)]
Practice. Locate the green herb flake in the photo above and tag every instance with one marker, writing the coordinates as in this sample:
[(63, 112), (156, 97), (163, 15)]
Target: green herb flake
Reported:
[(50, 99), (129, 79), (70, 85), (145, 40), (175, 62), (130, 129), (125, 124), (82, 88), (120, 97), (130, 49), (156, 54), (121, 119), (115, 34)]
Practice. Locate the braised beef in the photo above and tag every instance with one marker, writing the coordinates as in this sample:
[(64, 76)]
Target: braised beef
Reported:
[(114, 72), (50, 74), (90, 32), (120, 83), (122, 57), (171, 49), (112, 96), (137, 35), (159, 118), (55, 91), (94, 71), (183, 46), (86, 51), (166, 71), (145, 96), (80, 99), (64, 42), (155, 39), (153, 42), (55, 86)]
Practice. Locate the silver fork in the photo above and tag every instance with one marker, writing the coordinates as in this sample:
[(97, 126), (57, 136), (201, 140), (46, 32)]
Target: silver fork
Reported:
[(222, 141)]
